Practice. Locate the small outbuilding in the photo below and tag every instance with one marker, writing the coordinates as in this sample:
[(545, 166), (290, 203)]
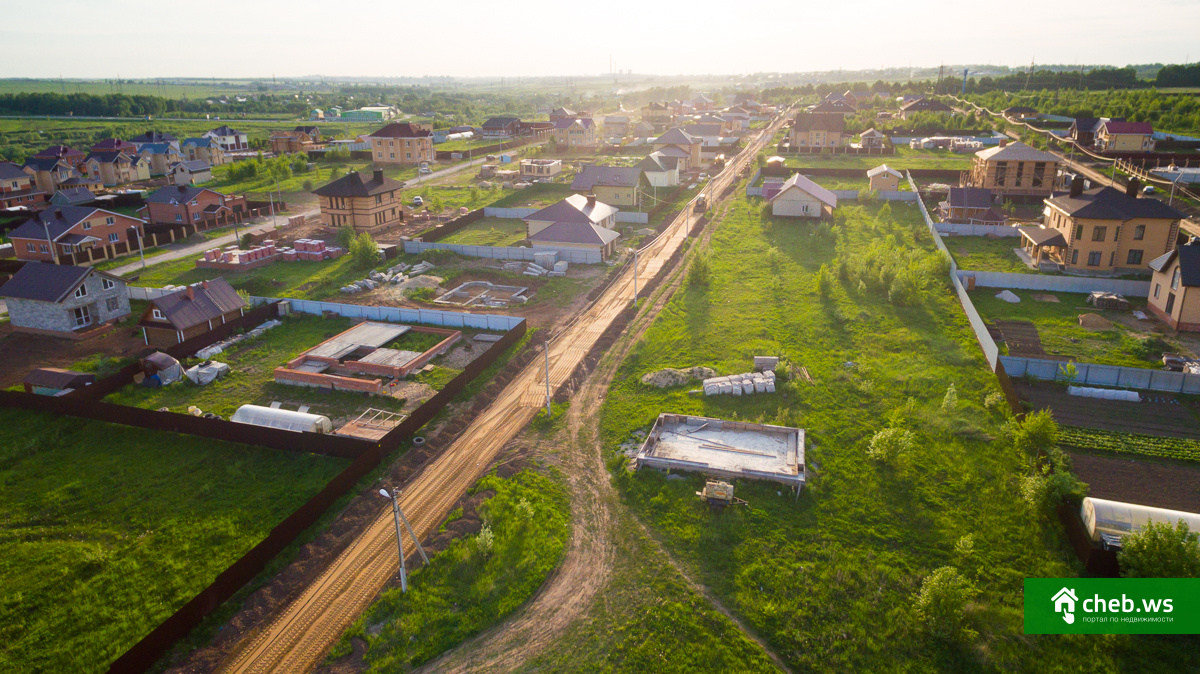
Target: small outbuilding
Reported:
[(800, 197), (884, 178), (287, 420), (52, 381), (190, 312)]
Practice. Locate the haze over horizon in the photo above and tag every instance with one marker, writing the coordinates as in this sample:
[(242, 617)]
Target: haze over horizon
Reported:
[(472, 39)]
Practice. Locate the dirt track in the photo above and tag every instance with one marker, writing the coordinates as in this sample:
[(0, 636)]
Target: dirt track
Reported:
[(297, 638)]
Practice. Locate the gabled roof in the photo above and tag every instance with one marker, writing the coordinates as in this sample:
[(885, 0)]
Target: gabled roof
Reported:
[(702, 130), (192, 165), (500, 122), (46, 282), (153, 137), (110, 156), (1015, 151), (810, 122), (712, 119), (838, 106), (177, 194), (58, 151), (46, 164), (676, 136), (1136, 128), (10, 171), (575, 232), (355, 184), (675, 152), (402, 130), (607, 176), (970, 197), (566, 123), (1107, 203), (657, 162), (75, 195), (226, 131), (1086, 124), (310, 130), (57, 219), (199, 142), (884, 168), (657, 106), (563, 111), (156, 148), (575, 208), (805, 184), (112, 144), (209, 301), (872, 133), (79, 181), (925, 105), (1189, 263)]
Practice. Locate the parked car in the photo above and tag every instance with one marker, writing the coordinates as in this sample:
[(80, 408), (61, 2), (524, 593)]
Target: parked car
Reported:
[(425, 170), (417, 201), (1148, 189)]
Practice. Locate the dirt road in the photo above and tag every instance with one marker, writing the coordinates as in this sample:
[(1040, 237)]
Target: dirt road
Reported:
[(303, 632)]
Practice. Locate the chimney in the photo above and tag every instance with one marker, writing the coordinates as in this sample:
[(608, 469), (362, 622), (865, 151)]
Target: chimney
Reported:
[(191, 293), (182, 189), (1003, 142), (1132, 187), (379, 175), (1076, 186), (591, 200), (204, 284), (58, 214)]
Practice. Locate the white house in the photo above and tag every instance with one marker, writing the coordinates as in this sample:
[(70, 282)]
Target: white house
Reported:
[(660, 170), (800, 197), (229, 139)]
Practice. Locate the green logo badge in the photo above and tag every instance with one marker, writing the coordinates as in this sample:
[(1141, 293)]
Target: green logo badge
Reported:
[(1112, 606)]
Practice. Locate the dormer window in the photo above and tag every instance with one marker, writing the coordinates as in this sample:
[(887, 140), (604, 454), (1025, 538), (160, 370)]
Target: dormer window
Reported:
[(158, 315), (81, 291), (108, 284)]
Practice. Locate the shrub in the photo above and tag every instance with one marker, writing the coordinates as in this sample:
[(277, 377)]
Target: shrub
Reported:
[(308, 185), (484, 541), (942, 602), (824, 281), (364, 251), (994, 401), (246, 242), (950, 400), (1068, 373), (1036, 434), (890, 444), (1160, 550), (345, 237), (699, 273)]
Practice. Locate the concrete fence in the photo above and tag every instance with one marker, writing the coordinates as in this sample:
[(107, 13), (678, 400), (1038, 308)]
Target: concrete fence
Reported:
[(445, 319), (1063, 284), (577, 256), (1091, 374), (964, 229), (138, 293), (516, 213)]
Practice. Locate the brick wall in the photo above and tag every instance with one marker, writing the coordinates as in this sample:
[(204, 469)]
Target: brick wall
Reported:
[(286, 376)]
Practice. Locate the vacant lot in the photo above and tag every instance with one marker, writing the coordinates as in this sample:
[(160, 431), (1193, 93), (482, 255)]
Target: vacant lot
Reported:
[(489, 232), (979, 253), (830, 579), (109, 529), (1129, 342), (904, 158)]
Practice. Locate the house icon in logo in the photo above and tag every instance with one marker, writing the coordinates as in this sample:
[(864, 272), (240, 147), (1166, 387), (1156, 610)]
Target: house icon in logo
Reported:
[(1064, 603)]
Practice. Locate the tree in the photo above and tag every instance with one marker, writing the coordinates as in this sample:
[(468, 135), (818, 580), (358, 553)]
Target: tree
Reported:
[(364, 251), (698, 272), (437, 205), (942, 602), (345, 237), (890, 444), (1160, 550)]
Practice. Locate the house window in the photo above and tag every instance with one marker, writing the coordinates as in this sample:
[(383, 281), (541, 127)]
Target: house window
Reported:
[(1078, 232), (81, 291), (1139, 232), (1157, 287), (1175, 279), (393, 155), (1020, 173), (1001, 173), (1135, 257), (82, 317), (45, 248), (1094, 258), (109, 221), (1098, 233), (31, 247), (87, 224), (1075, 256), (158, 315), (379, 155), (1039, 173), (107, 284), (112, 304), (378, 199), (178, 217), (113, 238)]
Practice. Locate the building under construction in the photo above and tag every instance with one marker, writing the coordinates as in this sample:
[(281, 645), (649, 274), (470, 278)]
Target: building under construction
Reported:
[(727, 449)]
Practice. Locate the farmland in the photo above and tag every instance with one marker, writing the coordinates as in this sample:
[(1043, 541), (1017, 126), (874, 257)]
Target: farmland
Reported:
[(829, 578), (1146, 446), (109, 529)]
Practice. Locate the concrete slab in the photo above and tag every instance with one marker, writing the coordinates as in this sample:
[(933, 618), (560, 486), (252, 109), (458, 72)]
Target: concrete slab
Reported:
[(730, 449)]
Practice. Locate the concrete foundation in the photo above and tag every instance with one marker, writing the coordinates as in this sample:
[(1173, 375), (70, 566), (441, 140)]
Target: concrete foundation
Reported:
[(728, 449)]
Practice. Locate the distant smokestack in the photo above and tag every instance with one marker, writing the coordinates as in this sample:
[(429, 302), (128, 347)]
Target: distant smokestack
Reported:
[(1076, 186), (1132, 187), (378, 175), (1003, 142)]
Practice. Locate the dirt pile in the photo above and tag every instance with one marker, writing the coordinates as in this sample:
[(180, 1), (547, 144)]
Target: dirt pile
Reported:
[(1094, 322), (671, 376)]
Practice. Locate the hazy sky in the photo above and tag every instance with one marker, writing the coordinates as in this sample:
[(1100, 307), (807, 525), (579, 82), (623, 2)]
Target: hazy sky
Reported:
[(258, 38)]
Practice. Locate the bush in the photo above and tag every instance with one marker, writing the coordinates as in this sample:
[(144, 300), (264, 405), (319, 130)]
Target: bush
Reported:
[(950, 401), (824, 281), (308, 185), (942, 602), (364, 251), (1036, 434), (246, 242), (699, 273), (890, 444), (1160, 550), (345, 237)]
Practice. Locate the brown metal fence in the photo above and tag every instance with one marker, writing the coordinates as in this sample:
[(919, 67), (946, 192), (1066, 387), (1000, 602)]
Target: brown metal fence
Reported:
[(1097, 561), (438, 233)]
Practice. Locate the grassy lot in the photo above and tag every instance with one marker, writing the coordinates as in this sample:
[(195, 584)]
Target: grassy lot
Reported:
[(320, 175), (109, 529), (252, 379), (830, 579), (299, 279), (489, 232), (1060, 332), (904, 158), (979, 253), (538, 195)]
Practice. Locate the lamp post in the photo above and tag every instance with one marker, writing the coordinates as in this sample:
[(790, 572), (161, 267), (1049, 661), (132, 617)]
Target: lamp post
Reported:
[(398, 514)]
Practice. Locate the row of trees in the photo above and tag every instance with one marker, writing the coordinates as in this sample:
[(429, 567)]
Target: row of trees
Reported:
[(1167, 112), (124, 105)]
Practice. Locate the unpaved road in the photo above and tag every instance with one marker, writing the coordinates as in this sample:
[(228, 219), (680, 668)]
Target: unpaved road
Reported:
[(297, 638)]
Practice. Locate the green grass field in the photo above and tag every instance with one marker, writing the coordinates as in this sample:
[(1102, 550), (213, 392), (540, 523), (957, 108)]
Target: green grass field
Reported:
[(299, 279), (905, 158), (979, 253), (830, 579), (1058, 327), (109, 529), (489, 232)]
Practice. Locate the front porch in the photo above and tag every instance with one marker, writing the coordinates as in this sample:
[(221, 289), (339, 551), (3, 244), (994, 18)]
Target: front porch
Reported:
[(1042, 249)]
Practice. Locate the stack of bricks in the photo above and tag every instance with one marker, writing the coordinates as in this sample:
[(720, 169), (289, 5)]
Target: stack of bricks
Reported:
[(315, 249)]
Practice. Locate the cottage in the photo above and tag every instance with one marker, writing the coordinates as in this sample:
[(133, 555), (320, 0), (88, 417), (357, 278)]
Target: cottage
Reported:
[(72, 196), (203, 149), (160, 156), (1114, 136), (366, 204), (872, 138), (70, 156), (660, 170), (403, 143), (154, 137), (115, 145), (809, 130), (681, 145), (288, 142), (616, 126), (1174, 275), (702, 103), (576, 132), (69, 230), (112, 167), (1103, 230), (1083, 129), (191, 173), (228, 139), (575, 222), (501, 128), (970, 205), (18, 188), (657, 116), (800, 197), (838, 107), (1014, 169), (180, 204), (48, 173), (563, 113), (617, 185), (924, 105), (64, 300), (709, 134), (190, 312), (884, 178), (313, 132)]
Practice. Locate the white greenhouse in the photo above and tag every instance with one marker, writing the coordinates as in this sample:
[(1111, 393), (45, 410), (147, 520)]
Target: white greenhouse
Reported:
[(287, 420), (1111, 521)]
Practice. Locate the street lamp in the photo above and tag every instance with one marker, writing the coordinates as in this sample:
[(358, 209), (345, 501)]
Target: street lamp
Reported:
[(394, 497)]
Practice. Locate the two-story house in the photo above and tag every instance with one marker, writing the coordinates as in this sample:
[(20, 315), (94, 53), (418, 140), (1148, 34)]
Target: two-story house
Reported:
[(18, 188), (821, 130), (287, 142), (657, 115), (64, 300), (1014, 169), (60, 230), (228, 139), (112, 167), (499, 128), (190, 312), (48, 173), (114, 145), (190, 173), (1114, 136), (402, 143), (575, 132), (203, 149), (184, 204), (160, 157), (68, 155), (681, 145), (924, 105), (614, 185), (154, 137), (364, 203), (1173, 276)]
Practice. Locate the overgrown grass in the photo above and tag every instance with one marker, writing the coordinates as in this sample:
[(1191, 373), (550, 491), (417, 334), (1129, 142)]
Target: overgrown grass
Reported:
[(109, 529), (979, 253), (489, 232), (475, 581), (830, 578), (298, 279), (905, 158)]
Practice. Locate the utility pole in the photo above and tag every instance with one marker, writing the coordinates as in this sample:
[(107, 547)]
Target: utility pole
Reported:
[(398, 516), (546, 351), (635, 272)]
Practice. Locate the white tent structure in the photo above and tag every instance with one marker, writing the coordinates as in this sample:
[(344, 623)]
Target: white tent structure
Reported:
[(287, 420), (1104, 393), (1111, 521)]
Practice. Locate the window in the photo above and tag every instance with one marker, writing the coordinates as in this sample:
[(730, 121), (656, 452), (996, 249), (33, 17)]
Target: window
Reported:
[(1157, 287), (1075, 256), (1020, 173), (1139, 232), (378, 199), (1039, 173), (112, 304), (1098, 233), (379, 155), (111, 220), (393, 155), (1078, 232), (87, 224), (1094, 258), (31, 247), (81, 291), (107, 284), (82, 317), (158, 315), (113, 238), (1135, 257), (1001, 173), (45, 248), (1175, 279), (1112, 258), (178, 217)]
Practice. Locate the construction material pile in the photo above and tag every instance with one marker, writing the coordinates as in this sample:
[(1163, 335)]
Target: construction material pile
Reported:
[(532, 269), (312, 250), (212, 350), (1106, 300), (394, 276), (741, 384)]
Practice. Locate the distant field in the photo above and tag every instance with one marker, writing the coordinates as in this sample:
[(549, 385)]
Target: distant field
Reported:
[(905, 158), (168, 87)]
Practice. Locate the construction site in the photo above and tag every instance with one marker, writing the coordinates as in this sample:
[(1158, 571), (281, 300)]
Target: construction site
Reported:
[(726, 449), (484, 294)]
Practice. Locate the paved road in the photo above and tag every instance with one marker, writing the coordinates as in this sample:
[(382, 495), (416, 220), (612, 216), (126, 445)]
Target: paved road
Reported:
[(296, 638)]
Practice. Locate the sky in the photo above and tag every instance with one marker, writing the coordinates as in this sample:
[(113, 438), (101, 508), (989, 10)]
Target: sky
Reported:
[(473, 38)]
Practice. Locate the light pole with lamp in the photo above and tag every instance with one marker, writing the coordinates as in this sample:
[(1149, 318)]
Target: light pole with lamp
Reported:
[(398, 514)]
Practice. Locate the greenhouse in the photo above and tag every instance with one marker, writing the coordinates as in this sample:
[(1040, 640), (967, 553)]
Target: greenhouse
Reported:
[(1108, 522), (287, 420)]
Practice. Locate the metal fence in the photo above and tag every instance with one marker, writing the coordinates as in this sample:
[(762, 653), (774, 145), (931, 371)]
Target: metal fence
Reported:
[(446, 319), (964, 229), (1063, 284), (577, 256), (1091, 374)]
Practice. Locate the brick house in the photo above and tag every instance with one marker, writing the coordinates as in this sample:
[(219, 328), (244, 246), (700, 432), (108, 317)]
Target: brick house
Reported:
[(820, 130), (115, 145), (402, 143), (613, 185), (203, 149), (155, 137), (48, 173), (190, 312), (287, 142), (64, 300), (576, 132), (366, 204), (499, 128), (1014, 169), (1174, 275), (679, 140), (17, 188), (184, 204), (72, 229), (113, 167), (70, 156), (229, 139)]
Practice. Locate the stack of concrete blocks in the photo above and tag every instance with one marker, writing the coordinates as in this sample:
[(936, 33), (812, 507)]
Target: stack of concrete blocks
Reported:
[(545, 258), (535, 270), (741, 384), (420, 268), (765, 363)]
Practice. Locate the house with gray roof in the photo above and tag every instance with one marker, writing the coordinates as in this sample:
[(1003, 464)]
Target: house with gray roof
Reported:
[(64, 300), (577, 222), (190, 312), (679, 139), (660, 170), (1174, 275), (72, 196), (191, 172), (800, 197), (616, 185), (70, 230)]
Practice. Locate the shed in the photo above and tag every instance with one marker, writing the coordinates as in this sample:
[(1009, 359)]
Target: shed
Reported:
[(53, 380), (1109, 522), (161, 369), (287, 420)]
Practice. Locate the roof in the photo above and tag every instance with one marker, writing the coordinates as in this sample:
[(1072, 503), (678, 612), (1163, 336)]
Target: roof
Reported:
[(1107, 203), (810, 122), (872, 133), (1043, 236), (156, 148), (1137, 128), (1086, 124), (57, 378), (9, 171), (656, 106), (1019, 110), (355, 184), (402, 130), (657, 162), (500, 122), (616, 119), (79, 181), (175, 194), (47, 282), (58, 151), (373, 334), (226, 131), (108, 156), (210, 300), (838, 106), (193, 165), (1015, 151), (574, 208), (310, 130), (153, 137), (676, 136), (111, 144), (569, 122), (970, 197), (884, 168), (1189, 263), (608, 176), (563, 111), (575, 232), (925, 105), (675, 152), (49, 219), (199, 142), (807, 185), (45, 163), (703, 129), (75, 195)]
